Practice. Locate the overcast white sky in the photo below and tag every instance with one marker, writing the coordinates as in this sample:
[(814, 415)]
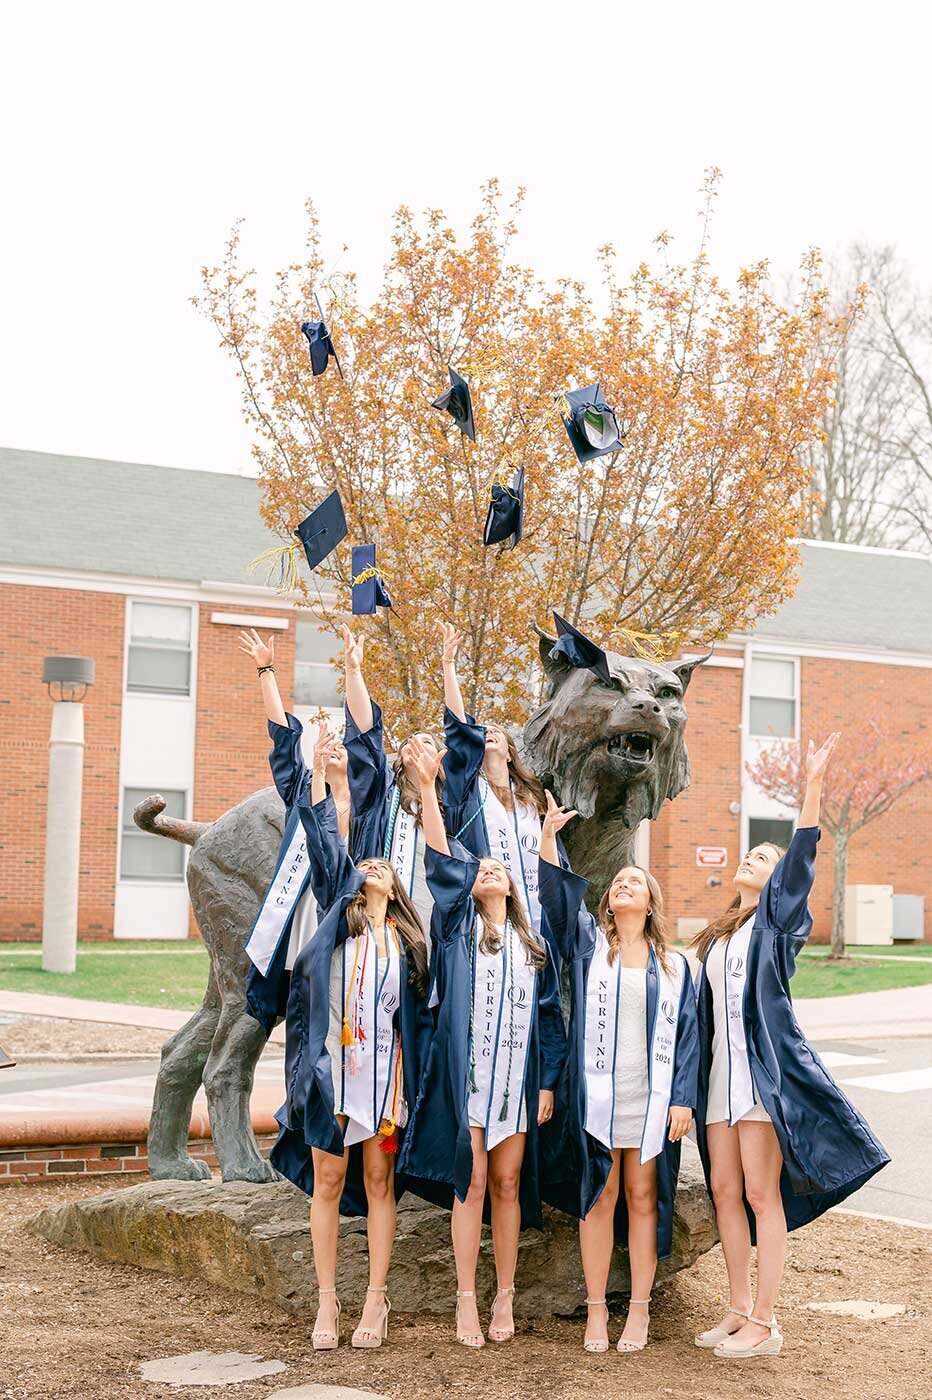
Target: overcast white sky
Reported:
[(134, 134)]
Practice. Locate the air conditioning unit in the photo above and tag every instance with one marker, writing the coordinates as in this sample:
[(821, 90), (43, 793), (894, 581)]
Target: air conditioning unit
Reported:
[(909, 918), (868, 914)]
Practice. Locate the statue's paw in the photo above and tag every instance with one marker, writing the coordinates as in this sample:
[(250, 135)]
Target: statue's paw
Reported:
[(258, 1171), (179, 1169)]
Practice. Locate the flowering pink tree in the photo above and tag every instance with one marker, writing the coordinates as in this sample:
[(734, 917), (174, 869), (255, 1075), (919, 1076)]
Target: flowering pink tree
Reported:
[(867, 776)]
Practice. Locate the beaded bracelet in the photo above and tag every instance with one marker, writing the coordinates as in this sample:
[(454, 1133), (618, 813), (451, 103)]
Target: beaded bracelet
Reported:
[(260, 669)]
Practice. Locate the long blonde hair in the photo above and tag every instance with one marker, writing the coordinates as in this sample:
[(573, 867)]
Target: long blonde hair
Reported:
[(406, 920), (655, 923), (731, 920)]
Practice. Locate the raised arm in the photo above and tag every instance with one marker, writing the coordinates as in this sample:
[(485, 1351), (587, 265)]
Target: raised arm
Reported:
[(452, 695), (263, 654), (784, 899), (333, 874), (427, 763), (358, 701)]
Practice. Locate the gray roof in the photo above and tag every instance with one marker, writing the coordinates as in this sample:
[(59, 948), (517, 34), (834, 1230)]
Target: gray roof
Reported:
[(124, 518), (872, 599), (92, 516)]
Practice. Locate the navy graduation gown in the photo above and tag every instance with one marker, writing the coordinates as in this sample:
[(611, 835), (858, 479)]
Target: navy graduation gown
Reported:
[(267, 996), (371, 783), (828, 1149), (307, 1117), (438, 1147), (576, 1164)]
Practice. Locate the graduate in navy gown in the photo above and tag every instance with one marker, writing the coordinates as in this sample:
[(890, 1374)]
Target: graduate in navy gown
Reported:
[(780, 1143), (384, 797), (628, 1093), (494, 803), (288, 914), (496, 1055), (356, 1038)]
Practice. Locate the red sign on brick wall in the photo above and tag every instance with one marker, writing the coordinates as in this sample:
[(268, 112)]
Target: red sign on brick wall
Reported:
[(712, 855)]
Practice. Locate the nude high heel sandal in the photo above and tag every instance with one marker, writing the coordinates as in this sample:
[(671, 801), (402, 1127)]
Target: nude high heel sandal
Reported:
[(502, 1334), (467, 1339), (716, 1335), (366, 1336), (327, 1341), (623, 1344), (768, 1346), (597, 1344)]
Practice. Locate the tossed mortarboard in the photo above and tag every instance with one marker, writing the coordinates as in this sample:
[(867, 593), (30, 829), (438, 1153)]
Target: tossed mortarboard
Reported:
[(322, 530), (457, 402), (369, 592), (590, 423), (505, 518), (320, 342), (579, 650)]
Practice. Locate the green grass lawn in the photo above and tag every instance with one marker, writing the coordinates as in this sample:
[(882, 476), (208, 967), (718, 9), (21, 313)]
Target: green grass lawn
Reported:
[(175, 980), (891, 950), (121, 945), (820, 977)]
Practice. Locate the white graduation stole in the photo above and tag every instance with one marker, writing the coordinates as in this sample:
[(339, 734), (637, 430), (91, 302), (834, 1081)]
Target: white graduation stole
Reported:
[(735, 972), (601, 1035), (662, 1053), (504, 997), (371, 992), (401, 840), (282, 896), (514, 839)]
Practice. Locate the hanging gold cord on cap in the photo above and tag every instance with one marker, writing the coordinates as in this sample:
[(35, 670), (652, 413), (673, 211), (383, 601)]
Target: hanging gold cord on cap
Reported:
[(499, 480), (563, 404), (364, 577), (649, 646), (282, 561)]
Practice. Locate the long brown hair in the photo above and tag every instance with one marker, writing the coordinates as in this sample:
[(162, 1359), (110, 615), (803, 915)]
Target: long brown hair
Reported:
[(655, 923), (731, 920), (406, 920), (410, 792), (490, 940), (525, 785)]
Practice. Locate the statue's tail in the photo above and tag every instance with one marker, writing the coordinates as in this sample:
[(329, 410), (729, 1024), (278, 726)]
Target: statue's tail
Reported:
[(148, 817)]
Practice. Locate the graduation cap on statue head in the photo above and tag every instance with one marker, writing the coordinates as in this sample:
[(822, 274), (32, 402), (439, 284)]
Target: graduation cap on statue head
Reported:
[(457, 402), (578, 650), (369, 591), (590, 423), (505, 519), (320, 342)]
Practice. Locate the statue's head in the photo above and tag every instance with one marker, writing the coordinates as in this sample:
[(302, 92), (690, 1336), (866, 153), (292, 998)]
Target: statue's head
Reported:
[(612, 747)]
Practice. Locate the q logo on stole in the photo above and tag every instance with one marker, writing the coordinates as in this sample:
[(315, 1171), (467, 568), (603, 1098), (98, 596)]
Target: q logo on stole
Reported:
[(517, 996), (669, 1011), (735, 967)]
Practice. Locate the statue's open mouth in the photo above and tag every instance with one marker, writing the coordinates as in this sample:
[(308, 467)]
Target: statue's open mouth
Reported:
[(634, 748)]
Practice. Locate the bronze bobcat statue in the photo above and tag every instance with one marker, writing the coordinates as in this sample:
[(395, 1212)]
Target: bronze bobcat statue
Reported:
[(614, 752)]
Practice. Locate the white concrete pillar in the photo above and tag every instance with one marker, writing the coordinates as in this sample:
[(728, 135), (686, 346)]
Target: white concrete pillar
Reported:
[(63, 837)]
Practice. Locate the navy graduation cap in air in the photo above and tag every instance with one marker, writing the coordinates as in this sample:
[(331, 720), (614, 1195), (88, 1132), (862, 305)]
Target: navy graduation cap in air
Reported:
[(505, 519), (590, 423), (320, 343), (369, 591), (579, 650), (322, 530), (457, 402)]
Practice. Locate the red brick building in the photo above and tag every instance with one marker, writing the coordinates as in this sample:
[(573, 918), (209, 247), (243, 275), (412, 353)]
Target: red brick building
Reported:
[(144, 569)]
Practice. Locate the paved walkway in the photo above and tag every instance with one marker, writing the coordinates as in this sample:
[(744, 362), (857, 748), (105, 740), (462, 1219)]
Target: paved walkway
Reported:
[(113, 1013), (904, 1011)]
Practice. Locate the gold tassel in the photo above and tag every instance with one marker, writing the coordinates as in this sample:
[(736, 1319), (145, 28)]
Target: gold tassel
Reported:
[(347, 1037), (649, 646), (500, 480), (563, 404), (283, 560), (364, 577)]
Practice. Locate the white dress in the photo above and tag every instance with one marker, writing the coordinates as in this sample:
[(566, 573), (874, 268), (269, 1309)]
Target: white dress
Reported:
[(631, 1077), (365, 992), (719, 1073)]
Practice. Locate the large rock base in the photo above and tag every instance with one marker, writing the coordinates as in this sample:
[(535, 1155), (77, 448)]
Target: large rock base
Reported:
[(254, 1239)]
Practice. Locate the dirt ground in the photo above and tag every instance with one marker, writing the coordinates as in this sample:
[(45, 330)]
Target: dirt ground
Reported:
[(30, 1038), (72, 1327)]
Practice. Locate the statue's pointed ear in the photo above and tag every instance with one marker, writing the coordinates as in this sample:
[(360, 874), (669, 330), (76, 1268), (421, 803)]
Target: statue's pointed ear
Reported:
[(684, 669), (555, 667)]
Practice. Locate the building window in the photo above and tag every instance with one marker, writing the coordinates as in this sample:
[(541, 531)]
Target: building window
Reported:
[(159, 660), (147, 857), (772, 829), (315, 679), (773, 698)]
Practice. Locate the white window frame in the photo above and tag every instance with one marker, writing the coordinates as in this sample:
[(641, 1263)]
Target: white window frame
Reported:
[(766, 656), (141, 880), (752, 743), (172, 696)]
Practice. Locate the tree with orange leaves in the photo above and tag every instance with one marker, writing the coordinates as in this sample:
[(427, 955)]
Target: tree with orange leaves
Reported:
[(686, 532), (862, 784)]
